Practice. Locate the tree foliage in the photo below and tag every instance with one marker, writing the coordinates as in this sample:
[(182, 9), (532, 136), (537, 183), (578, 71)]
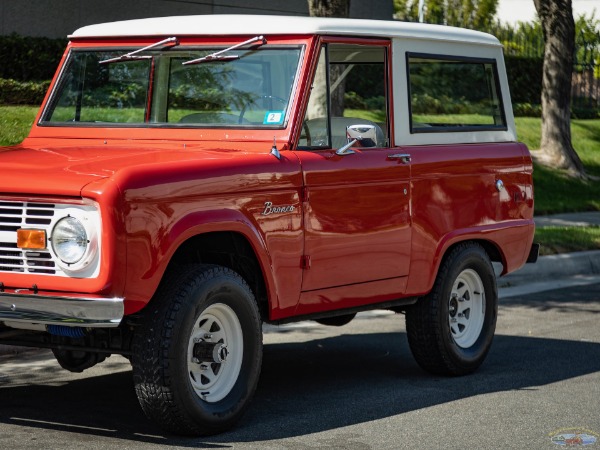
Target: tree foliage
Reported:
[(523, 39), (329, 8), (14, 92), (474, 14), (587, 40), (27, 58), (526, 38)]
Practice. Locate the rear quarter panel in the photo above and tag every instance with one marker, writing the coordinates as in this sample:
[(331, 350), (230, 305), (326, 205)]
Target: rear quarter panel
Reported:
[(455, 198)]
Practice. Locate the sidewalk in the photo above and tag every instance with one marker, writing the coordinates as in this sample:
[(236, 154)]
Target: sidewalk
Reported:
[(556, 271), (581, 219), (552, 272)]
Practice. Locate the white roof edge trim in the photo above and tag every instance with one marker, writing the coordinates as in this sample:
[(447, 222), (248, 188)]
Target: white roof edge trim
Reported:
[(235, 24)]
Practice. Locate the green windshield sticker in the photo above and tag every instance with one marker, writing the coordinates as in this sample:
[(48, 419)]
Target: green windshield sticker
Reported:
[(273, 118)]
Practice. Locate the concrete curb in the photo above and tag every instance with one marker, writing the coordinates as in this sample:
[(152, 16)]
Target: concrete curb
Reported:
[(554, 267)]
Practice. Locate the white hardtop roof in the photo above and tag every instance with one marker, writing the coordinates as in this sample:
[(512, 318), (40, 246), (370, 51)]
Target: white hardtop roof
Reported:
[(224, 24)]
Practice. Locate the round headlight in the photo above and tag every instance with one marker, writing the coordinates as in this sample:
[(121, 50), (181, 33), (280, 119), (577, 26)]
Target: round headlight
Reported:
[(69, 240)]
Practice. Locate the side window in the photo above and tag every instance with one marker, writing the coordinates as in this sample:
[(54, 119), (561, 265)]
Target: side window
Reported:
[(453, 94), (349, 88)]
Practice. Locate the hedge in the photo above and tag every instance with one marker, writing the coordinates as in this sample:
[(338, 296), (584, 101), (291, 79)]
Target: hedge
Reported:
[(525, 79), (27, 58), (14, 92)]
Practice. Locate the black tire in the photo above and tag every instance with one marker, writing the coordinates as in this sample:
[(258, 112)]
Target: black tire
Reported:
[(438, 334), (169, 378)]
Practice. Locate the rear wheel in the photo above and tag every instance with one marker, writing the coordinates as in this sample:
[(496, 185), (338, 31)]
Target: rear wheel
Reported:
[(196, 360), (450, 330)]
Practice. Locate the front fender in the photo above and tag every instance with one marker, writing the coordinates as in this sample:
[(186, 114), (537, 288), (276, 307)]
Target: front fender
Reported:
[(156, 231), (151, 250)]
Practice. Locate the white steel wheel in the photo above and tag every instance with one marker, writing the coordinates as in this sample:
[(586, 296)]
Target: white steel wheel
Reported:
[(197, 352), (450, 330), (215, 352), (466, 308)]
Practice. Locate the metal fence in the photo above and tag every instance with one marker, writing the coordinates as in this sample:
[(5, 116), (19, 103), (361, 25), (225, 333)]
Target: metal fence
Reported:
[(585, 87), (585, 84)]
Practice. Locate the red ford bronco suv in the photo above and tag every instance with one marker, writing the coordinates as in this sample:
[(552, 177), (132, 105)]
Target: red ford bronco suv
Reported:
[(189, 178)]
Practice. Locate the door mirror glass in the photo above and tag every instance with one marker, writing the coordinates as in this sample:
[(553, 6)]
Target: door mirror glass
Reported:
[(364, 135)]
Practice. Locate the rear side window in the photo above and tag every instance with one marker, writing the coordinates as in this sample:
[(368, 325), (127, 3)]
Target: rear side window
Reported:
[(453, 94)]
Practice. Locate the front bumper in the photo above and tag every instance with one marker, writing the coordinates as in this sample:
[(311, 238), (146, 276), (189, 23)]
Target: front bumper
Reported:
[(22, 305)]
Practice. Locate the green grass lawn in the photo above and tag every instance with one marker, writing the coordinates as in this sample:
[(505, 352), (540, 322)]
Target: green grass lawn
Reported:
[(555, 240), (15, 122), (452, 119), (585, 136), (375, 115), (555, 191)]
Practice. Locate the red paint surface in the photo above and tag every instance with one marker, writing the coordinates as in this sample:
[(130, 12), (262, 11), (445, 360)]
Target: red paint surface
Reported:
[(366, 238)]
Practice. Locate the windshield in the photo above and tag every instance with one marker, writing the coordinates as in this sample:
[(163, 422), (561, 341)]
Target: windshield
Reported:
[(251, 91)]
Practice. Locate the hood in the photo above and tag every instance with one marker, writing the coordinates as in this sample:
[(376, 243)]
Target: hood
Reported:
[(65, 171)]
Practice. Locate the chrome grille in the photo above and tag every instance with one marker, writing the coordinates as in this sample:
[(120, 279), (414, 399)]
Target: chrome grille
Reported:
[(15, 215)]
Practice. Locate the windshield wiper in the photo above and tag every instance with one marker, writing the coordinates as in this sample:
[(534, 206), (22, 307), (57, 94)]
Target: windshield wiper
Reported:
[(169, 42), (219, 56)]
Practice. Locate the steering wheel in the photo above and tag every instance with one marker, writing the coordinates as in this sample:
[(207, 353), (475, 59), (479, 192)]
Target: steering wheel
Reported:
[(262, 97)]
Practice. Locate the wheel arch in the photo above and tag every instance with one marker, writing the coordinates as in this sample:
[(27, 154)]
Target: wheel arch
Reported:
[(491, 248), (231, 249)]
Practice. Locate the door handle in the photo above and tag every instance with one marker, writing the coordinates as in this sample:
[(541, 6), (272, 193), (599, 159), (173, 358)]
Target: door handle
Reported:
[(404, 157)]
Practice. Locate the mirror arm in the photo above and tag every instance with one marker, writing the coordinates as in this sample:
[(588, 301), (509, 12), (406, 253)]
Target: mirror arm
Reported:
[(346, 150)]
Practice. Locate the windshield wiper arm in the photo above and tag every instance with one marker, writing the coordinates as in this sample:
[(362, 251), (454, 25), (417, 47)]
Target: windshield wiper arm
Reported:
[(219, 56), (169, 42)]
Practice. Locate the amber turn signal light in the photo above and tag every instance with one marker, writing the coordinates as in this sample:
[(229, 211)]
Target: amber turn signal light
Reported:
[(31, 239)]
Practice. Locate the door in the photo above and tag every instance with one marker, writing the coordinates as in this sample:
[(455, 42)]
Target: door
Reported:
[(356, 217), (357, 201)]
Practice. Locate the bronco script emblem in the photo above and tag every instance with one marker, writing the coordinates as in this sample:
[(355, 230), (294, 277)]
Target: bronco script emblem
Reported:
[(270, 209)]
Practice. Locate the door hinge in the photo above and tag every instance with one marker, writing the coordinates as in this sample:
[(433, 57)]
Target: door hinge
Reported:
[(304, 194), (305, 262)]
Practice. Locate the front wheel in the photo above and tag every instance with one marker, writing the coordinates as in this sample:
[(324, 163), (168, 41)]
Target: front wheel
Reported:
[(450, 330), (197, 357)]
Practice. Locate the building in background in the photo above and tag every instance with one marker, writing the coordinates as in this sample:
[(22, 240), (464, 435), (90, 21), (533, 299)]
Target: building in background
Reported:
[(58, 18)]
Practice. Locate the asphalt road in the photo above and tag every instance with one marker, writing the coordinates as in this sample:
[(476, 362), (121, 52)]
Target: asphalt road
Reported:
[(355, 387)]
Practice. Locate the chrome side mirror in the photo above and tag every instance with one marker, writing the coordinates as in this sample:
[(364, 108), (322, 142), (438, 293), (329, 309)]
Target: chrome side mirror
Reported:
[(363, 134)]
